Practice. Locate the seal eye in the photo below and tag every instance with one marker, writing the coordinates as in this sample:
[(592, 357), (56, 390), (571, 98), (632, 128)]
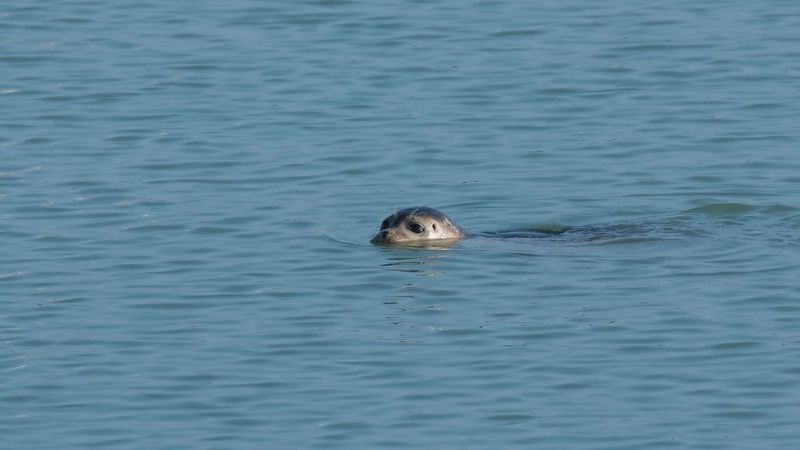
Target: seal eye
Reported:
[(416, 228), (384, 224)]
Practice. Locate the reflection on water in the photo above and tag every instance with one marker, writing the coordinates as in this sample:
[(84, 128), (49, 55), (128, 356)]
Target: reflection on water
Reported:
[(419, 264)]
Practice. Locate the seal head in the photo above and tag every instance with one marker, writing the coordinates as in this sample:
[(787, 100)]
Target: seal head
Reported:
[(417, 225)]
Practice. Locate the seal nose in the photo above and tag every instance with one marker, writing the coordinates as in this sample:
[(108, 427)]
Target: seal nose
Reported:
[(381, 236)]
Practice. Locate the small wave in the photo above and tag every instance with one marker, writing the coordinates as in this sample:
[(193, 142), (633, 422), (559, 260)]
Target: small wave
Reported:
[(723, 209)]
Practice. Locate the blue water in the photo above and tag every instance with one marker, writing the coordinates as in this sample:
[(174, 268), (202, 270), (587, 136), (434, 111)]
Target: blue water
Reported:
[(188, 190)]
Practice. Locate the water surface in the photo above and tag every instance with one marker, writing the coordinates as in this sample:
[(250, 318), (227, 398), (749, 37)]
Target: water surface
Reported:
[(187, 192)]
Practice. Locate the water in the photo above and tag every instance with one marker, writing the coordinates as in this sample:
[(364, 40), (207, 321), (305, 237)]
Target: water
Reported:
[(187, 191)]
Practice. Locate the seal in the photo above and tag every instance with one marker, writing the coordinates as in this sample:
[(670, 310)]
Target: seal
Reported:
[(418, 225), (430, 228), (421, 226)]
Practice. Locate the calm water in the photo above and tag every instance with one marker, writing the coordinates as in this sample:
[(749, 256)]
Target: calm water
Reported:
[(187, 191)]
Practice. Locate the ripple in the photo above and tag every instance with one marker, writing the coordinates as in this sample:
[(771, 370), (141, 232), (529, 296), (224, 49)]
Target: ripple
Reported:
[(723, 209)]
